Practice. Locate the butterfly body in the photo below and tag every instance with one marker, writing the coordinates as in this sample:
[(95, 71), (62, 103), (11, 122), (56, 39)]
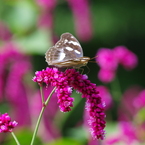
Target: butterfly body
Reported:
[(67, 52)]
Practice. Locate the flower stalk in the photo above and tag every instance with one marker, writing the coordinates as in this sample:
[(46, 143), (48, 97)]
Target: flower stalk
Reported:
[(15, 138), (41, 114)]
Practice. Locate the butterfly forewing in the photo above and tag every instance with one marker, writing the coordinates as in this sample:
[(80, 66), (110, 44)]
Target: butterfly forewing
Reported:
[(70, 45), (67, 52)]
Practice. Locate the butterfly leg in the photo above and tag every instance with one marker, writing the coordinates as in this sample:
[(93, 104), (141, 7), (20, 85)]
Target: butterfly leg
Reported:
[(88, 69), (81, 70)]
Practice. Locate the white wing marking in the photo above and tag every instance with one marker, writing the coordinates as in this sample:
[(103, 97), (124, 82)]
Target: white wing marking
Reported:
[(69, 48), (61, 56), (74, 43), (76, 51)]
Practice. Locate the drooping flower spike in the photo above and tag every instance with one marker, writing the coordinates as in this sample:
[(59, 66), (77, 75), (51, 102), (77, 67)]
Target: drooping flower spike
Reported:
[(71, 79)]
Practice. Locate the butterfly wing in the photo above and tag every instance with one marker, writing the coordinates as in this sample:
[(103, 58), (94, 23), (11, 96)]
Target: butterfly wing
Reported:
[(67, 48)]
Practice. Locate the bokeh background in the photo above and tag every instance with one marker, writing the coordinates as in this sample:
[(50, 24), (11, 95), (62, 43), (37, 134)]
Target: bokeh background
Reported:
[(27, 30)]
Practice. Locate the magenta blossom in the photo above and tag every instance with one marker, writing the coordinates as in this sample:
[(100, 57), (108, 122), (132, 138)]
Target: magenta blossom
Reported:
[(64, 83), (106, 75), (6, 125), (126, 57), (82, 18), (108, 64), (106, 59), (109, 59)]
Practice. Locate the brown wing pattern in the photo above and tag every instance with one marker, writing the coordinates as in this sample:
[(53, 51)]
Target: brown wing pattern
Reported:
[(67, 48)]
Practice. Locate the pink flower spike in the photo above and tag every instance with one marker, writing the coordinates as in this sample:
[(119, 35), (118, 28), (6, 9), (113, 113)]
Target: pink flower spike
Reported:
[(80, 9), (94, 103), (125, 57), (65, 82), (6, 125)]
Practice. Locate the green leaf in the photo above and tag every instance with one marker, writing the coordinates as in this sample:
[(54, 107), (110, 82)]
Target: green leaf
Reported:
[(37, 42), (21, 17)]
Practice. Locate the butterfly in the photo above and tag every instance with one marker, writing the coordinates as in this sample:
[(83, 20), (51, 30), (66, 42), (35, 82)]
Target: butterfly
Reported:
[(67, 52)]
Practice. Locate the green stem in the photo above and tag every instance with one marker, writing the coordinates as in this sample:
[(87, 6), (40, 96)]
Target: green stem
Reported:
[(40, 117), (116, 90), (46, 102), (15, 138), (42, 94)]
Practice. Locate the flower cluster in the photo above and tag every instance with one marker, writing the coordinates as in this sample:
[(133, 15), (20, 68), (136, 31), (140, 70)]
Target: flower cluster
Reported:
[(6, 125), (109, 59), (65, 82)]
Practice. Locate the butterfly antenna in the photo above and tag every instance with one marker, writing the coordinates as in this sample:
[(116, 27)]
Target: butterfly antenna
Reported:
[(94, 57)]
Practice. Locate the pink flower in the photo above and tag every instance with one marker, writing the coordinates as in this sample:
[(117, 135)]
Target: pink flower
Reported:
[(81, 13), (6, 125), (125, 57), (106, 59), (80, 9), (58, 79), (65, 82), (106, 76), (109, 59), (45, 19)]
